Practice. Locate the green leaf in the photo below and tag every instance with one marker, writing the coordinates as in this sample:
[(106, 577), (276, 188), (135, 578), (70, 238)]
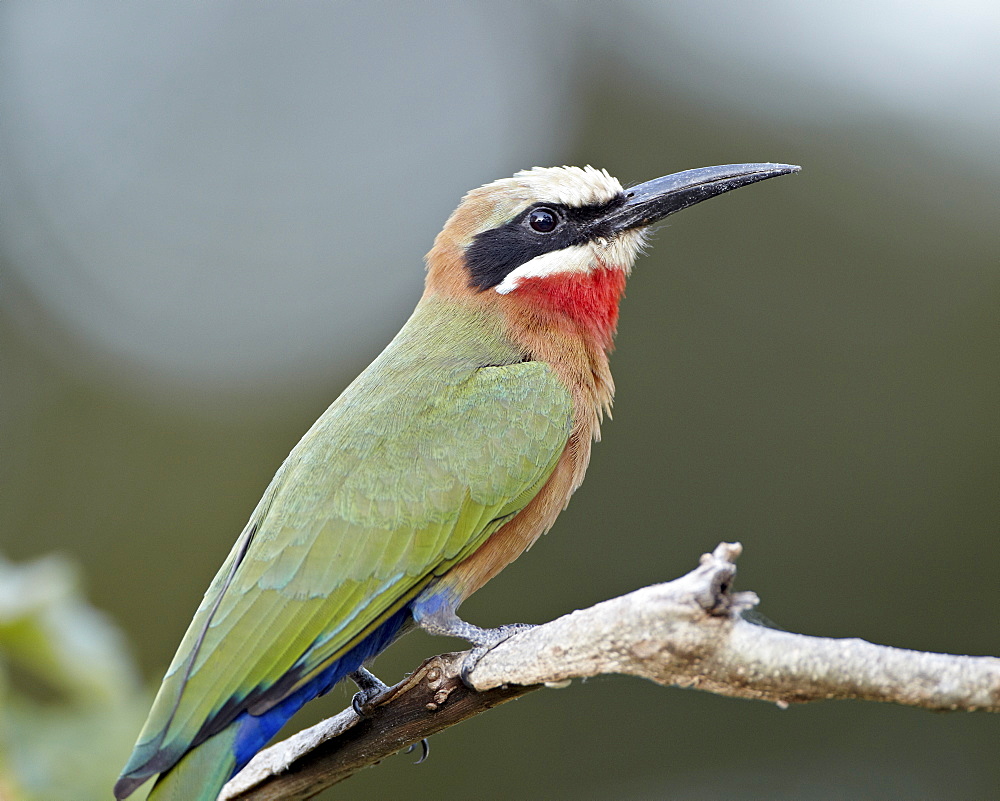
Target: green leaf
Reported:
[(70, 697)]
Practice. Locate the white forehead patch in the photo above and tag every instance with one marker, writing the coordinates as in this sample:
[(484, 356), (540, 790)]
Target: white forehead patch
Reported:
[(571, 186)]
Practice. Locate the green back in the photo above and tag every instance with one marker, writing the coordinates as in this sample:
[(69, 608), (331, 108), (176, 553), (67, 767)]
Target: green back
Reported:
[(426, 453)]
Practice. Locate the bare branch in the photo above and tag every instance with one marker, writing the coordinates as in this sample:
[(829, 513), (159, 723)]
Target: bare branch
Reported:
[(688, 632)]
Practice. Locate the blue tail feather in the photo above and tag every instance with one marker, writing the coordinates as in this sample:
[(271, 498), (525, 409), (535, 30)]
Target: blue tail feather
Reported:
[(204, 769), (254, 731)]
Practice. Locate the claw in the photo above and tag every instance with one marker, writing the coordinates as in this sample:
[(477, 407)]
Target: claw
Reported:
[(370, 687), (425, 748)]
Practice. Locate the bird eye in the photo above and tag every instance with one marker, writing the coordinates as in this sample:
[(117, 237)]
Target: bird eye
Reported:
[(543, 220)]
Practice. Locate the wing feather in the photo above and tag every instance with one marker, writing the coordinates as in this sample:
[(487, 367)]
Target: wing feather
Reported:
[(385, 492)]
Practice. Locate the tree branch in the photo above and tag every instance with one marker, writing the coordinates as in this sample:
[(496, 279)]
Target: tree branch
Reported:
[(688, 632)]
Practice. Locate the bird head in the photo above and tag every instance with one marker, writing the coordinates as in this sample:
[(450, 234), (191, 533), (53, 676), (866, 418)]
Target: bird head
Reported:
[(562, 240)]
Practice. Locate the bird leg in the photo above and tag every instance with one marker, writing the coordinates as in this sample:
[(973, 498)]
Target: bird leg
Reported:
[(490, 639), (438, 617)]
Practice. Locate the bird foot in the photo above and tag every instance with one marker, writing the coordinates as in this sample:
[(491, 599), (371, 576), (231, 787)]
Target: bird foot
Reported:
[(370, 687), (487, 640), (435, 614)]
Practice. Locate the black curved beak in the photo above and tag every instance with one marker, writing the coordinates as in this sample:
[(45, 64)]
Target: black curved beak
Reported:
[(652, 201)]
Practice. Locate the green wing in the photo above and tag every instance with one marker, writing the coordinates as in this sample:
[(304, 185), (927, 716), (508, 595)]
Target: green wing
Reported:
[(409, 471)]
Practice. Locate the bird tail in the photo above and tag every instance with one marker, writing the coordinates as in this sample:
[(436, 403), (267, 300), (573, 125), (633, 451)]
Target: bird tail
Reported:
[(201, 773), (205, 768)]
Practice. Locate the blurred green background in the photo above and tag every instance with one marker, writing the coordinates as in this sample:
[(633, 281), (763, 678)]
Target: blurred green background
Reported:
[(212, 218)]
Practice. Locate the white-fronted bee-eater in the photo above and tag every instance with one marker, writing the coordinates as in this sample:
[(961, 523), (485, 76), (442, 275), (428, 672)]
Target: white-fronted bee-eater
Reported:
[(438, 466)]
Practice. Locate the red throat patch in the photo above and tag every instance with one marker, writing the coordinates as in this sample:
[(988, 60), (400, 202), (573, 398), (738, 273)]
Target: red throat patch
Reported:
[(590, 299)]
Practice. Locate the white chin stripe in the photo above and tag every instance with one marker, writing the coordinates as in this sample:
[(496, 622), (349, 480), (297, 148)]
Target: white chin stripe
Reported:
[(574, 259)]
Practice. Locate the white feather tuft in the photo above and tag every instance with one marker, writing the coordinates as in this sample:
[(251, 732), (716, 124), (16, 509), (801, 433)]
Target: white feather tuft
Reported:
[(619, 252), (574, 259), (571, 186)]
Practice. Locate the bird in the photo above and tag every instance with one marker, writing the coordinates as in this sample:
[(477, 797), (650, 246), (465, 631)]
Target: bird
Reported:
[(436, 467)]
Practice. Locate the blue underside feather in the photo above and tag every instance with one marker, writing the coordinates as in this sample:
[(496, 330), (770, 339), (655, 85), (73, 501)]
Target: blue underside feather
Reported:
[(254, 731)]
